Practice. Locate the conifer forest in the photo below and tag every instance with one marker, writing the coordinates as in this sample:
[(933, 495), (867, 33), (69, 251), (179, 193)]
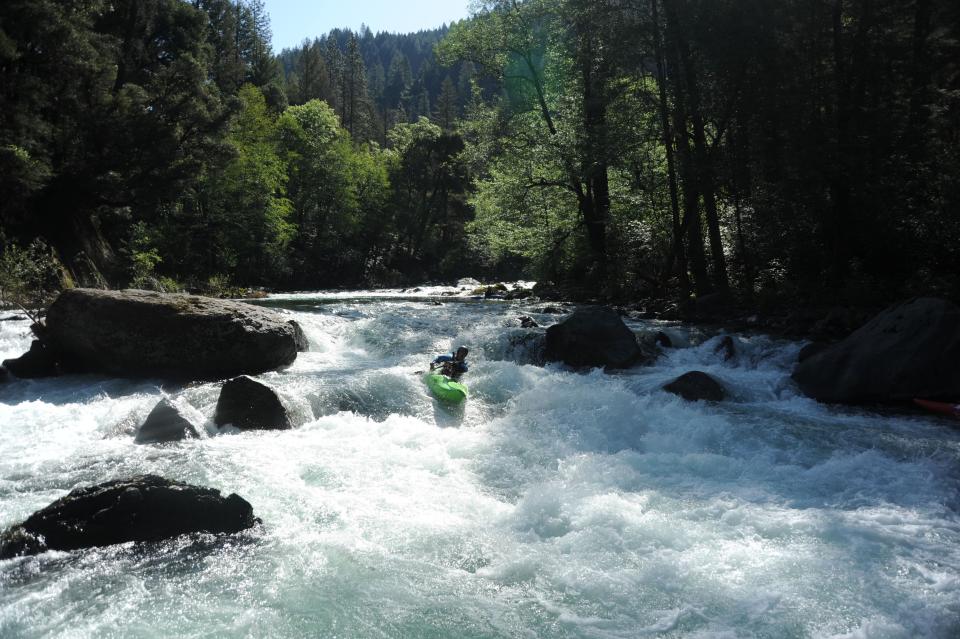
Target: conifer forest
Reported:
[(779, 152)]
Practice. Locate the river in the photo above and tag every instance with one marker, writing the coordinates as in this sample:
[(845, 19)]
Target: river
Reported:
[(555, 504)]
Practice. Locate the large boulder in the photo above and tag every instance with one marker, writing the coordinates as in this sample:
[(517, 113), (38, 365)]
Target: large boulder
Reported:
[(144, 334), (143, 508), (594, 336), (167, 422), (908, 351), (811, 349), (249, 405), (38, 362), (697, 386)]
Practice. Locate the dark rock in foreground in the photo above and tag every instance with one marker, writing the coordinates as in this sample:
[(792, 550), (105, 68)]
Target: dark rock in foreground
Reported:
[(908, 351), (143, 334), (697, 386), (36, 363), (144, 508), (249, 405), (299, 337), (811, 349), (166, 423), (594, 336), (4, 375)]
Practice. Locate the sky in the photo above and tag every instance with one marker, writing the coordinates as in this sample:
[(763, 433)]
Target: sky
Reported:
[(294, 20)]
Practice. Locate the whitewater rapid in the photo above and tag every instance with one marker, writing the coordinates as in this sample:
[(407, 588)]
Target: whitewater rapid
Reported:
[(556, 504)]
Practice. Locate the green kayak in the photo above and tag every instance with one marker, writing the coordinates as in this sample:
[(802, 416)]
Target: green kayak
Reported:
[(445, 389)]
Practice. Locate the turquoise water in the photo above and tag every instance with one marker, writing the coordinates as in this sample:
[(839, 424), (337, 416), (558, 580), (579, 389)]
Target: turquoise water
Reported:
[(556, 504)]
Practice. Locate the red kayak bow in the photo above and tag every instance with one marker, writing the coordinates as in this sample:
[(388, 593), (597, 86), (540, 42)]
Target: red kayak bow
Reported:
[(941, 408)]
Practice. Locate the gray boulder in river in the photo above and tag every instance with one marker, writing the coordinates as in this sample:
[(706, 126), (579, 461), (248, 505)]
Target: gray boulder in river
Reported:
[(594, 336), (249, 405), (908, 351), (143, 508), (145, 334), (166, 423), (697, 386)]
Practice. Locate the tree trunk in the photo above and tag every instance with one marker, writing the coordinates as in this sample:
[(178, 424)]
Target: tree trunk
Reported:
[(704, 164), (691, 194), (919, 94), (678, 254), (595, 207)]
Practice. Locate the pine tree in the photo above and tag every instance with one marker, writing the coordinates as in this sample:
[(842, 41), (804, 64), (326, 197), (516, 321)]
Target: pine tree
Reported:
[(313, 81), (448, 106), (356, 107), (399, 78), (335, 71)]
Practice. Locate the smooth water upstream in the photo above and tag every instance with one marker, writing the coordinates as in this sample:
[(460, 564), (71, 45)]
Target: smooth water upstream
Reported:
[(556, 504)]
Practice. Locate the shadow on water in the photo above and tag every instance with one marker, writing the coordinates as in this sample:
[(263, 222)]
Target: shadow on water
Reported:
[(448, 415), (181, 555), (82, 389)]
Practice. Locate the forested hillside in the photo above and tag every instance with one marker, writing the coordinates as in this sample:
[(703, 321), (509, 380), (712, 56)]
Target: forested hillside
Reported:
[(375, 82), (775, 152), (153, 143)]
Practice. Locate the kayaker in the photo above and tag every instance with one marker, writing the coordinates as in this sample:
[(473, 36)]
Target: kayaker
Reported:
[(453, 365)]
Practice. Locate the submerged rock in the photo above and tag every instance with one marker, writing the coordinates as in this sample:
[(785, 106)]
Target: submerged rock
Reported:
[(654, 340), (143, 334), (143, 508), (249, 405), (594, 336), (527, 347), (36, 363), (528, 322), (468, 282), (491, 291), (697, 386), (907, 351), (166, 423), (726, 348)]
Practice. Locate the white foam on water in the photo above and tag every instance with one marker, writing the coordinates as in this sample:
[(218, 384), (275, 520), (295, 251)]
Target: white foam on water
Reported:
[(554, 504)]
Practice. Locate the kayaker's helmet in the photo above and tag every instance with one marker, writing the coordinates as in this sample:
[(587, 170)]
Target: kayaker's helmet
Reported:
[(461, 353)]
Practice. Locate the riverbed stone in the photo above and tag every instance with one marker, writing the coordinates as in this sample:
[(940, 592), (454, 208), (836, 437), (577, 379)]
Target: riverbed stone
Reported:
[(726, 348), (906, 352), (144, 508), (250, 405), (167, 422), (592, 337), (147, 334), (527, 322), (697, 386)]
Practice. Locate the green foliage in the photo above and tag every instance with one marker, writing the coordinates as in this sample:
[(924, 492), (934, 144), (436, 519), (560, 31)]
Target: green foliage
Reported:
[(144, 258), (338, 190), (248, 208), (30, 278), (430, 178), (656, 148)]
